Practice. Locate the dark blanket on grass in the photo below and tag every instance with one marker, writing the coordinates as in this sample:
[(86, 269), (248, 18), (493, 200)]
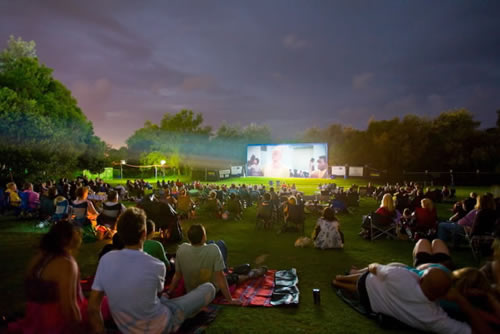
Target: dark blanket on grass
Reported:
[(274, 289)]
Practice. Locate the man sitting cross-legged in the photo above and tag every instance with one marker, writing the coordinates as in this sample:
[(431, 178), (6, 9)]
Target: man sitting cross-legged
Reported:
[(199, 262), (410, 295), (132, 279)]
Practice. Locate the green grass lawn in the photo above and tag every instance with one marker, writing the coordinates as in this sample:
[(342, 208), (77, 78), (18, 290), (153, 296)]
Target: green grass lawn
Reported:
[(315, 267)]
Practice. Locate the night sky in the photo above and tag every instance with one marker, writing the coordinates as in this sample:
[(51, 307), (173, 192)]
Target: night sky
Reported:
[(286, 63)]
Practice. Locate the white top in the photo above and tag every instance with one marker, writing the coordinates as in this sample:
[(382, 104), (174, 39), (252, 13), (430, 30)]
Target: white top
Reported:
[(132, 279), (395, 291)]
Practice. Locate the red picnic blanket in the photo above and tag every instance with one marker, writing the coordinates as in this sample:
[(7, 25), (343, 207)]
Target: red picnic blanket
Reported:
[(254, 292)]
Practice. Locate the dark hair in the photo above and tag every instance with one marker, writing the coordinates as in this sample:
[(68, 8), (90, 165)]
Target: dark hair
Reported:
[(27, 185), (150, 226), (195, 234), (322, 157), (131, 224), (52, 193), (329, 214), (58, 238), (80, 191), (267, 196), (112, 195)]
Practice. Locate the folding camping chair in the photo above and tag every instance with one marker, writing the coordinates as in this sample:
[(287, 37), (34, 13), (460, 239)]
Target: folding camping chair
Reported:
[(381, 226), (480, 245)]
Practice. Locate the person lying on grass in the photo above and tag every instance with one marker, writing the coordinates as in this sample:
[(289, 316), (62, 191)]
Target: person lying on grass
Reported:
[(198, 262), (410, 294)]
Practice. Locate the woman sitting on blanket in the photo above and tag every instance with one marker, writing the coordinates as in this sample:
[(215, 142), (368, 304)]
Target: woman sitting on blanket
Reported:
[(55, 302), (327, 233)]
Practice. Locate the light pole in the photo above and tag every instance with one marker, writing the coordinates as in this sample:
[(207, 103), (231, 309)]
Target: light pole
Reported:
[(123, 162), (162, 168)]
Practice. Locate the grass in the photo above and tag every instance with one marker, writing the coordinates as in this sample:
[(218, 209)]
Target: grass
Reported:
[(315, 267)]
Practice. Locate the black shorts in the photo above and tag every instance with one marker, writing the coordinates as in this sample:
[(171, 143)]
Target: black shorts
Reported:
[(364, 300), (441, 258)]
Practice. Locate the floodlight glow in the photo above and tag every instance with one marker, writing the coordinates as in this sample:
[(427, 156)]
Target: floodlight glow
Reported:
[(162, 162), (123, 162)]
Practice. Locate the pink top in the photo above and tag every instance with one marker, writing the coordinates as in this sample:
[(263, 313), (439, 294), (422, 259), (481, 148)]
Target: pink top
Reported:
[(468, 220)]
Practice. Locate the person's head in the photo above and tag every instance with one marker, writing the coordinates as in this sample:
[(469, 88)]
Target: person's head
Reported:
[(292, 200), (63, 237), (435, 283), (468, 279), (387, 202), (11, 186), (267, 197), (28, 186), (329, 214), (82, 192), (150, 228), (197, 234), (113, 196), (276, 155), (232, 196), (427, 204), (312, 160), (131, 226), (322, 163), (473, 195), (212, 194)]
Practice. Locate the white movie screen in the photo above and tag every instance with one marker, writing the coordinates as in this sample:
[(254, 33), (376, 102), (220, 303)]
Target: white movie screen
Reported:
[(288, 160)]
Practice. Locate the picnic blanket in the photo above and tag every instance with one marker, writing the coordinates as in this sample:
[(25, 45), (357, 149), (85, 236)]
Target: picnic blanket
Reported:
[(273, 289)]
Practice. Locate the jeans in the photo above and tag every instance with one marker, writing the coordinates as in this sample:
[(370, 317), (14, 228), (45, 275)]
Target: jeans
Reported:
[(188, 305), (448, 231), (223, 249)]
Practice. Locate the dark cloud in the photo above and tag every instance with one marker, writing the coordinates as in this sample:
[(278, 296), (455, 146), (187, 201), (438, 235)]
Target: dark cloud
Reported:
[(288, 64)]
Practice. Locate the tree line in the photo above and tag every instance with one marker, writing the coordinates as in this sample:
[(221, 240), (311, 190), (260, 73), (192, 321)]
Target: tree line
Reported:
[(44, 134)]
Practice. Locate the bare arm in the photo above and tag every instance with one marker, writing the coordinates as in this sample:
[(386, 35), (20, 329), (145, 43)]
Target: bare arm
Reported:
[(372, 268), (67, 283), (224, 288), (175, 281), (94, 309)]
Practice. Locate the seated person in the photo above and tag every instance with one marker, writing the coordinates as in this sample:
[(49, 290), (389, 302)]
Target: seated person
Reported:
[(116, 244), (55, 303), (265, 211), (387, 208), (153, 247), (425, 219), (13, 197), (83, 210), (327, 233), (199, 262), (33, 197), (47, 205), (133, 298), (484, 222), (234, 207), (111, 209), (185, 205), (294, 214), (61, 209), (213, 205)]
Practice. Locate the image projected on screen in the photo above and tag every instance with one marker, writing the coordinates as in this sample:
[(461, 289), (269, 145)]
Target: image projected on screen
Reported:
[(288, 160)]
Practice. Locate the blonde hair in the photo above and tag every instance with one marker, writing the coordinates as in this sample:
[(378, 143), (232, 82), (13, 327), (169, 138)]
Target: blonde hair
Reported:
[(427, 204), (292, 200), (470, 278), (387, 202), (59, 199), (12, 186)]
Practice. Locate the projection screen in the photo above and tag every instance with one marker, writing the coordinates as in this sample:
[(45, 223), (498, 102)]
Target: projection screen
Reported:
[(288, 160)]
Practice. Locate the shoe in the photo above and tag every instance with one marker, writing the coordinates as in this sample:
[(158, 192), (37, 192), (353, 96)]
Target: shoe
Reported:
[(255, 273), (244, 269)]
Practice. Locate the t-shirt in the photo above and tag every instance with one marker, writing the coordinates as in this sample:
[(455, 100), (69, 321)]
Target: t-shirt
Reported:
[(156, 250), (395, 291), (198, 264), (132, 279)]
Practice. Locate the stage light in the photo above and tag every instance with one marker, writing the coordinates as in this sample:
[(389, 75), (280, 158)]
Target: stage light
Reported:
[(162, 162)]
